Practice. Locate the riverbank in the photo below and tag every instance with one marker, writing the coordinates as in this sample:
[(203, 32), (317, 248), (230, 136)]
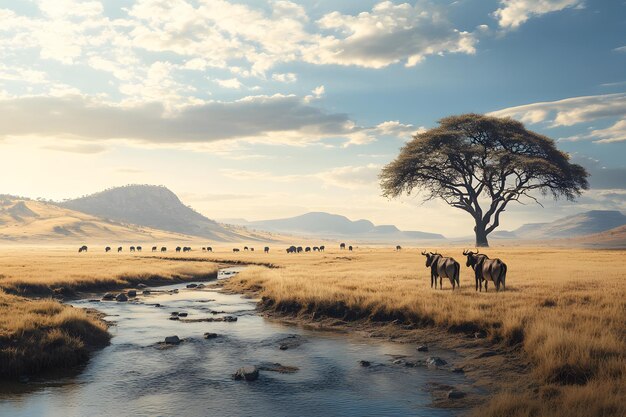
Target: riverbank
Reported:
[(553, 342), (38, 333)]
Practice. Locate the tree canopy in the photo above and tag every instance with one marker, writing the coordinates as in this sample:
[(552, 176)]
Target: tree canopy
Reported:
[(480, 164)]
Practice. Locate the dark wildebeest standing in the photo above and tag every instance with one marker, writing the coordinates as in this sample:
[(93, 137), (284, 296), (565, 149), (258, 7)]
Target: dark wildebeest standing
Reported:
[(203, 249), (350, 248), (441, 267), (266, 249), (138, 248), (251, 249), (299, 249), (107, 249), (398, 248), (245, 248), (322, 248), (316, 249), (209, 249), (119, 249), (235, 250), (486, 269), (154, 249), (307, 249), (186, 249), (291, 249), (342, 246), (178, 248), (132, 248), (163, 249), (82, 249)]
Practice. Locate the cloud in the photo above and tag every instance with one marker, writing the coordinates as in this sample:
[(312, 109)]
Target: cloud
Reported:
[(351, 176), (620, 49), (513, 13), (387, 35), (576, 110), (233, 83), (289, 77)]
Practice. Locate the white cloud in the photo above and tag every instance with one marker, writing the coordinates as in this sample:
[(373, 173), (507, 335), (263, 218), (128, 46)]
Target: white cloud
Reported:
[(289, 77), (388, 34), (513, 13), (576, 110), (233, 83), (351, 177), (620, 49)]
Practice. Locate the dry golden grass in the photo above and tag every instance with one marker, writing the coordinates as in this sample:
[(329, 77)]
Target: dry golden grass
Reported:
[(566, 309), (40, 270), (37, 335)]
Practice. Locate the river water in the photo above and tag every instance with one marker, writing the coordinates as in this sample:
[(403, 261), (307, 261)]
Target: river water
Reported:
[(135, 376)]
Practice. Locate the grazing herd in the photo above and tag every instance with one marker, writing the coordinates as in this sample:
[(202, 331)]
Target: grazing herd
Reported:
[(485, 269)]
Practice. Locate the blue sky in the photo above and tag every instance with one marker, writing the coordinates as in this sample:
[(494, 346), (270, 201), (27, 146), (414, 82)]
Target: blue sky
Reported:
[(274, 108)]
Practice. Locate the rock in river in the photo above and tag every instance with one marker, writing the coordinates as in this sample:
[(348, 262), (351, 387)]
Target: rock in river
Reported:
[(192, 285), (455, 394), (121, 297), (436, 361), (132, 293), (108, 296), (172, 340), (248, 373), (365, 363), (209, 335), (422, 348)]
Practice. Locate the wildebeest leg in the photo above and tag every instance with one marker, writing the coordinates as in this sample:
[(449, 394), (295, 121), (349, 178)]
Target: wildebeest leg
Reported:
[(432, 279), (440, 282)]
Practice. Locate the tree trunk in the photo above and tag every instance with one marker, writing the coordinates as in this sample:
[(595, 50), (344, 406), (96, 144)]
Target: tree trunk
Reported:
[(481, 235)]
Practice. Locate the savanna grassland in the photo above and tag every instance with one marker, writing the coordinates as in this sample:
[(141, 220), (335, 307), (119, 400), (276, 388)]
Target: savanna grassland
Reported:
[(558, 329), (552, 344), (41, 333)]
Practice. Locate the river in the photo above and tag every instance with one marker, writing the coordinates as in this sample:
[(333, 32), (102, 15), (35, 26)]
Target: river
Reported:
[(137, 376)]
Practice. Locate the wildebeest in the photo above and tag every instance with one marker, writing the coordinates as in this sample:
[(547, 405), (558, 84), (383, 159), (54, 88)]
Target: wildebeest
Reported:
[(322, 248), (178, 248), (315, 249), (163, 249), (442, 267), (486, 269), (132, 248), (245, 248), (209, 249), (266, 249), (154, 249), (186, 249), (82, 249), (342, 246), (119, 249), (138, 248), (251, 249), (203, 249), (292, 249), (235, 249), (350, 248), (307, 249), (299, 249), (398, 248), (107, 249)]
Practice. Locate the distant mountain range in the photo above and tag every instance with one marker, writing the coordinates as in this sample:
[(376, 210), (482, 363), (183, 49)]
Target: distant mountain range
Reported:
[(333, 226), (587, 223)]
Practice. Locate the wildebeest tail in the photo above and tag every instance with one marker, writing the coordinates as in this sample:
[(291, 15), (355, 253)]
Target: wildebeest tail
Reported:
[(457, 271), (502, 277)]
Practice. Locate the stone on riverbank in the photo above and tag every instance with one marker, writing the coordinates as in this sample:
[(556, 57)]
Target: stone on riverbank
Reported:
[(436, 361), (121, 297), (172, 340)]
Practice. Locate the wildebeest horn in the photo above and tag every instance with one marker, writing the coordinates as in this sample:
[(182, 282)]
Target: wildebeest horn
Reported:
[(464, 251), (423, 252)]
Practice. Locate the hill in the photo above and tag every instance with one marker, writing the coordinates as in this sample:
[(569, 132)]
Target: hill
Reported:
[(590, 222), (155, 207), (613, 238), (333, 226), (23, 220)]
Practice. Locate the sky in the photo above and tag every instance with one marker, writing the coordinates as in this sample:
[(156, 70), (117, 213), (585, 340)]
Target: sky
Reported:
[(267, 109)]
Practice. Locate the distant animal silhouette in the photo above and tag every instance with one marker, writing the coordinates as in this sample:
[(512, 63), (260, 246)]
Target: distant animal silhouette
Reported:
[(209, 249), (178, 248), (398, 248), (154, 249), (292, 249), (107, 249), (132, 248), (119, 249), (266, 249), (235, 250), (186, 249), (350, 248), (299, 249), (322, 248), (307, 249), (342, 246), (315, 249), (163, 249), (245, 248), (138, 248), (82, 249)]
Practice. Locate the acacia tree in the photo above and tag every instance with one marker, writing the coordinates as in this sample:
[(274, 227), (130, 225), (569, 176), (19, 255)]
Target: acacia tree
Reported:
[(480, 164)]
